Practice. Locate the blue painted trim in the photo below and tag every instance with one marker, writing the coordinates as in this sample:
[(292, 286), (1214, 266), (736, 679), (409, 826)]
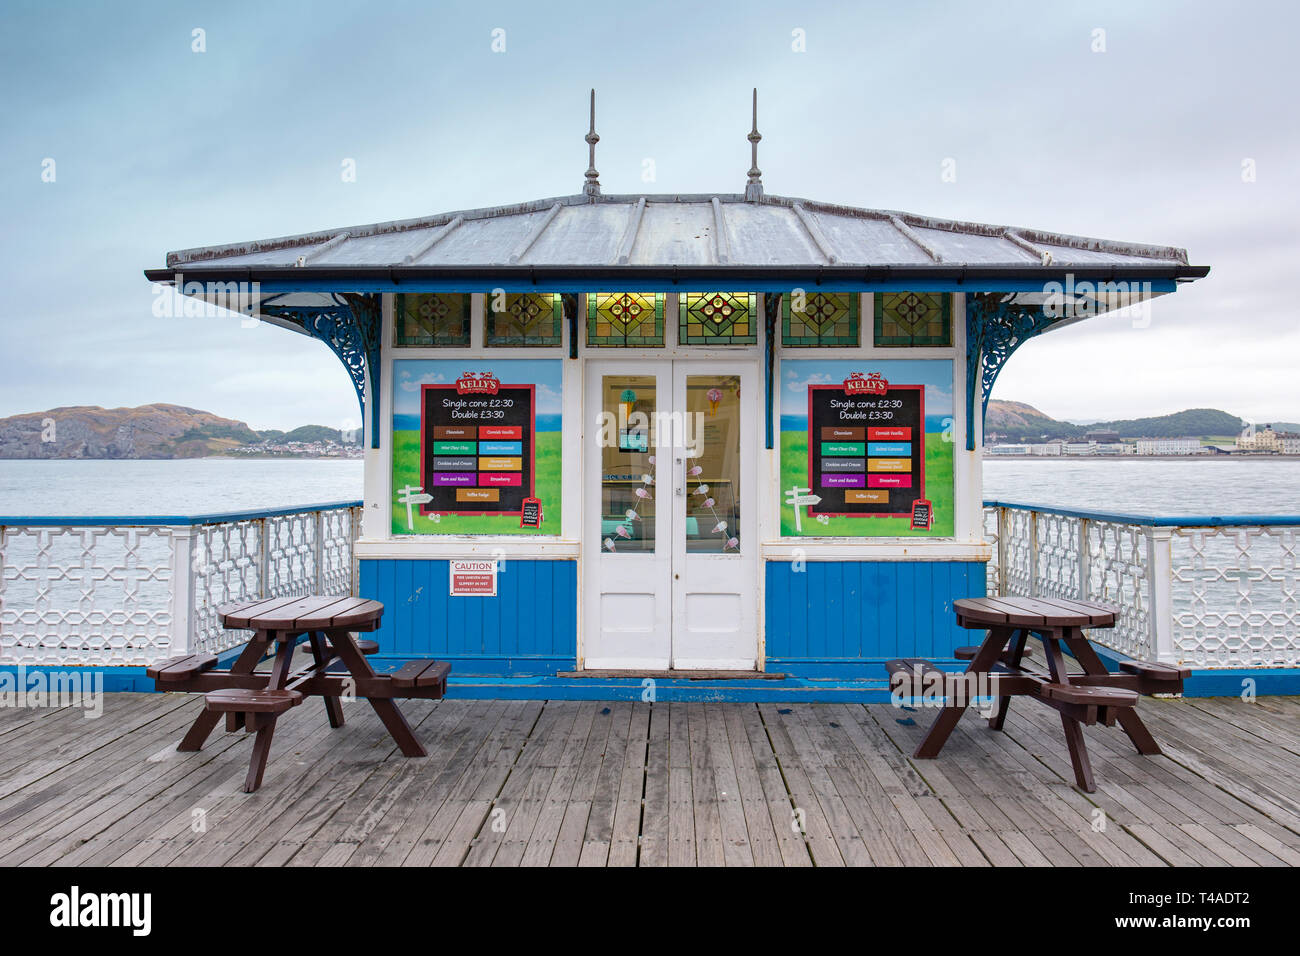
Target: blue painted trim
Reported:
[(115, 679), (83, 521), (1152, 521), (1269, 681), (913, 284)]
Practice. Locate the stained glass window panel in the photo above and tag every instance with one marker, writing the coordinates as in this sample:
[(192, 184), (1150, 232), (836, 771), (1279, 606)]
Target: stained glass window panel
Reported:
[(913, 319), (627, 319), (523, 320), (826, 318), (432, 321), (717, 318)]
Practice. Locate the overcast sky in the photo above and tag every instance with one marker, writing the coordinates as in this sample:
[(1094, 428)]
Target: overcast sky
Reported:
[(158, 147)]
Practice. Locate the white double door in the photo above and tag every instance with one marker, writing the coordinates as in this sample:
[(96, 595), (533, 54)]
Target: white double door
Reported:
[(670, 569)]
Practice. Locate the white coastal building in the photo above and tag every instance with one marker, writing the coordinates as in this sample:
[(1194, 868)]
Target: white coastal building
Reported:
[(1169, 446)]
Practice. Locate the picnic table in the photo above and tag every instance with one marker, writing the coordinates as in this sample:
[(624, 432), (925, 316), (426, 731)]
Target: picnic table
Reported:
[(999, 663), (253, 700)]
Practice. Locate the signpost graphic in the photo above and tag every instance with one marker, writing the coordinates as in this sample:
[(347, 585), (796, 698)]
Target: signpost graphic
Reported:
[(797, 498), (411, 496)]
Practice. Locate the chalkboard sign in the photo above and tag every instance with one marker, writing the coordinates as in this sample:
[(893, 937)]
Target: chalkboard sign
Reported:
[(477, 446), (866, 447), (531, 515), (922, 515)]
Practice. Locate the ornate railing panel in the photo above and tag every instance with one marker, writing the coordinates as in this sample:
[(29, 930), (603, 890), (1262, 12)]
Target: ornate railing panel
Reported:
[(1203, 592), (1236, 595), (127, 591)]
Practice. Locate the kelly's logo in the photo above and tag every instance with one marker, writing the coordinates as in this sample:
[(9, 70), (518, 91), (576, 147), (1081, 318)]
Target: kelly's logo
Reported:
[(873, 383), (76, 909), (477, 383)]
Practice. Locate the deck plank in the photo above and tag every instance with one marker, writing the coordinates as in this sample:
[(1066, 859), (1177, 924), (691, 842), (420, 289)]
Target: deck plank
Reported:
[(639, 783)]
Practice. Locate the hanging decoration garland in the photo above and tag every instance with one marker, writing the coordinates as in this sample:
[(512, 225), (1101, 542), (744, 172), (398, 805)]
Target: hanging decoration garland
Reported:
[(721, 526), (633, 514)]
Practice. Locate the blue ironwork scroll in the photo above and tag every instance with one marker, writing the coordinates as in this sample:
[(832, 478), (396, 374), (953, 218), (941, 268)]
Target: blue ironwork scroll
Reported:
[(995, 327)]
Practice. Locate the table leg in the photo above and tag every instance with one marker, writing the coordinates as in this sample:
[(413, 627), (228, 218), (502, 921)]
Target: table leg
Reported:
[(261, 750), (1078, 754), (1128, 718), (333, 707), (199, 731), (398, 728), (1018, 641), (206, 722), (943, 725)]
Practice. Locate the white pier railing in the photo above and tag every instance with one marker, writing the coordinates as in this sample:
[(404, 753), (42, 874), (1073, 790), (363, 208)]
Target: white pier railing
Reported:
[(128, 591), (1204, 592)]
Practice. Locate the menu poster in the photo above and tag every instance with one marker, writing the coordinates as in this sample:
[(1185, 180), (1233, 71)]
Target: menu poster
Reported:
[(477, 446), (866, 446), (531, 515), (863, 440)]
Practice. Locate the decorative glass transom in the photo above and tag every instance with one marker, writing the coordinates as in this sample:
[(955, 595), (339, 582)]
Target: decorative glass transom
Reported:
[(913, 318), (432, 321), (523, 320), (630, 319), (819, 318), (717, 318)]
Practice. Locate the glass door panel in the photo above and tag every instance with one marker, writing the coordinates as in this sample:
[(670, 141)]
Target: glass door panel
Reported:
[(712, 464), (627, 464)]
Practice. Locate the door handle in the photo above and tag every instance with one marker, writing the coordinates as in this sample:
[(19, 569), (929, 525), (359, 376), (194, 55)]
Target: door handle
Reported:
[(680, 489)]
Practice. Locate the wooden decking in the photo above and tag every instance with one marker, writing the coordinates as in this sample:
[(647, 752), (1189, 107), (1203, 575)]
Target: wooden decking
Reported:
[(582, 783)]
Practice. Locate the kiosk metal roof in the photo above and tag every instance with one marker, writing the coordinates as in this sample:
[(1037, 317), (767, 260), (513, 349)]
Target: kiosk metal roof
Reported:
[(703, 233)]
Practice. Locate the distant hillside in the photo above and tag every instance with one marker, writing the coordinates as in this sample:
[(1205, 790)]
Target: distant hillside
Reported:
[(1017, 422), (149, 431)]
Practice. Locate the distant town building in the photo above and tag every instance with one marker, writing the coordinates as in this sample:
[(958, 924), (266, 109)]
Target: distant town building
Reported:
[(1103, 437), (1113, 448), (1289, 443), (1169, 446), (1081, 448), (1039, 449), (1259, 439)]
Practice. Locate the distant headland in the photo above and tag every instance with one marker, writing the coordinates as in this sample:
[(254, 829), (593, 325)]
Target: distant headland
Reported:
[(161, 431)]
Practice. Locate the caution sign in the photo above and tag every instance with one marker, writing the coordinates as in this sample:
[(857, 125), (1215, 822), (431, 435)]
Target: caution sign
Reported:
[(473, 578)]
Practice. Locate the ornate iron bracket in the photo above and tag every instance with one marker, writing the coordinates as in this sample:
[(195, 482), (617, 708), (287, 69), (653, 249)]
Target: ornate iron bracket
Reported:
[(352, 329), (995, 327)]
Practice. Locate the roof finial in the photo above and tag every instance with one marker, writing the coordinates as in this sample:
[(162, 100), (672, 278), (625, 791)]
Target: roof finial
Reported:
[(754, 186), (592, 186)]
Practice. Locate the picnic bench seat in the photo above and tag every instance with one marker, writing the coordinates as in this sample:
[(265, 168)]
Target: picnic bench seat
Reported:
[(254, 710), (1154, 671), (365, 647), (1086, 696), (242, 701), (968, 652), (181, 668), (422, 673)]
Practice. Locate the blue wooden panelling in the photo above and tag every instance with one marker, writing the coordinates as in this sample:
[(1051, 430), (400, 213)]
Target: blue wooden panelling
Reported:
[(530, 627), (842, 618)]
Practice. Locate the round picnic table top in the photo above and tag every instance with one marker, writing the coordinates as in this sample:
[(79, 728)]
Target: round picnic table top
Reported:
[(298, 614), (1033, 612)]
